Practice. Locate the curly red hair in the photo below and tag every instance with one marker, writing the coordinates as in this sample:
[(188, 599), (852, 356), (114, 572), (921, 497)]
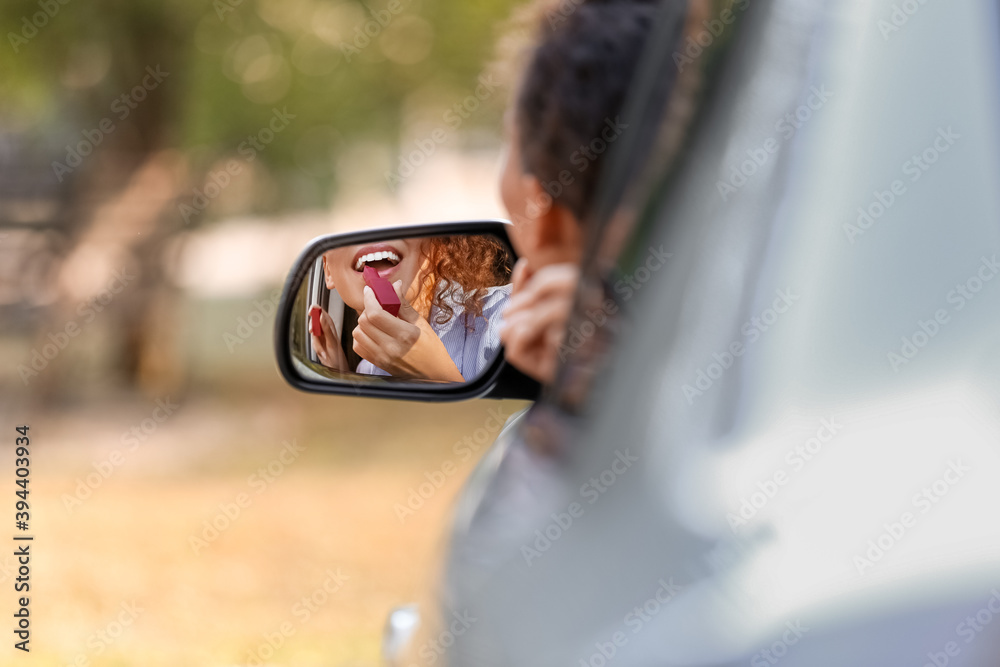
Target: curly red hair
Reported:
[(461, 268)]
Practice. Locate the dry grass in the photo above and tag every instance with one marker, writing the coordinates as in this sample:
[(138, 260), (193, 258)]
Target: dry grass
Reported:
[(330, 509)]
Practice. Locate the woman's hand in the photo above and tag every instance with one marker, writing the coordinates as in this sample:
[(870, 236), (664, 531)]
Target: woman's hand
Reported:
[(404, 346), (327, 344), (535, 319)]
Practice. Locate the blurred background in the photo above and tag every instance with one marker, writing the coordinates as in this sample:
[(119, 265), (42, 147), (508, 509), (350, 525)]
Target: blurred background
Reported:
[(161, 165)]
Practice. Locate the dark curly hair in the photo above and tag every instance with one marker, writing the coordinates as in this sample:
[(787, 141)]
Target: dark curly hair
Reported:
[(461, 268), (573, 89)]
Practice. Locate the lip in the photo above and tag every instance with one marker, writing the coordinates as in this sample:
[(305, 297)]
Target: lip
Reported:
[(378, 247)]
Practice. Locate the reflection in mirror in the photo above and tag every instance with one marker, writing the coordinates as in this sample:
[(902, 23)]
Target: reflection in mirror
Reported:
[(413, 309)]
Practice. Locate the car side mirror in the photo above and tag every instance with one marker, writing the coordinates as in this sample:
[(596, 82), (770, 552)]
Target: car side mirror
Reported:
[(405, 312)]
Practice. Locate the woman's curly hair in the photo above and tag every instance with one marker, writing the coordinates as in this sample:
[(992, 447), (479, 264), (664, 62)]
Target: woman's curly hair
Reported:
[(461, 269), (574, 86)]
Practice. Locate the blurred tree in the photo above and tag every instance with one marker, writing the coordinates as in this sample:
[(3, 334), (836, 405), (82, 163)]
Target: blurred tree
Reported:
[(134, 110)]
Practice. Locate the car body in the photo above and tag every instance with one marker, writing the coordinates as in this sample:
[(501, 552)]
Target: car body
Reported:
[(775, 435)]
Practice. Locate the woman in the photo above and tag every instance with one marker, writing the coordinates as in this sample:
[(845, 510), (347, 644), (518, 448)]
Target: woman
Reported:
[(564, 115), (451, 292)]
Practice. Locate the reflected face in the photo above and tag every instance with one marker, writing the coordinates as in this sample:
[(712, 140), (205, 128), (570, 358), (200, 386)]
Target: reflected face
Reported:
[(403, 259)]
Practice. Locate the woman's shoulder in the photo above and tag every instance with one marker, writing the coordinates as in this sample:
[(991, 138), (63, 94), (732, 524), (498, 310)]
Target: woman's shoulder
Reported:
[(494, 302), (497, 295)]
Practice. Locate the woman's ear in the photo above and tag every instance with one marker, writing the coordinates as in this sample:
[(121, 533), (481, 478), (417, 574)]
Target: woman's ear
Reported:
[(553, 233), (327, 278)]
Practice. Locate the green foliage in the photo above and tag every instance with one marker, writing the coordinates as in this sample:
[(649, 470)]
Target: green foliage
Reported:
[(63, 63)]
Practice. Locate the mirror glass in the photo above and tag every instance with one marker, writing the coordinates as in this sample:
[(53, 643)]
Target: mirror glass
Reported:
[(419, 310)]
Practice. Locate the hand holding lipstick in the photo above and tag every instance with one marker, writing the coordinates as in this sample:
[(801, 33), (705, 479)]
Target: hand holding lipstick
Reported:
[(385, 293), (404, 345)]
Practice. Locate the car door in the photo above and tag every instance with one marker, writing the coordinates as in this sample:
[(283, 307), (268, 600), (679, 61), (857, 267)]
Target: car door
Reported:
[(775, 433)]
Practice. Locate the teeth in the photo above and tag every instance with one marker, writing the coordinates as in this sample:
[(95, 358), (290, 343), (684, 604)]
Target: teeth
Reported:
[(376, 256)]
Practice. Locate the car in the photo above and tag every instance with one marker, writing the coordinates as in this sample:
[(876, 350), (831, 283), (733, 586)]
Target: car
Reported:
[(774, 435)]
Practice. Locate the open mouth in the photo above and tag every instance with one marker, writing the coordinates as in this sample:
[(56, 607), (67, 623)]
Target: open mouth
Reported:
[(382, 258)]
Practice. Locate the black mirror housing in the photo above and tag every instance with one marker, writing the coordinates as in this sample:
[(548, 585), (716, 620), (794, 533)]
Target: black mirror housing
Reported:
[(500, 380)]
